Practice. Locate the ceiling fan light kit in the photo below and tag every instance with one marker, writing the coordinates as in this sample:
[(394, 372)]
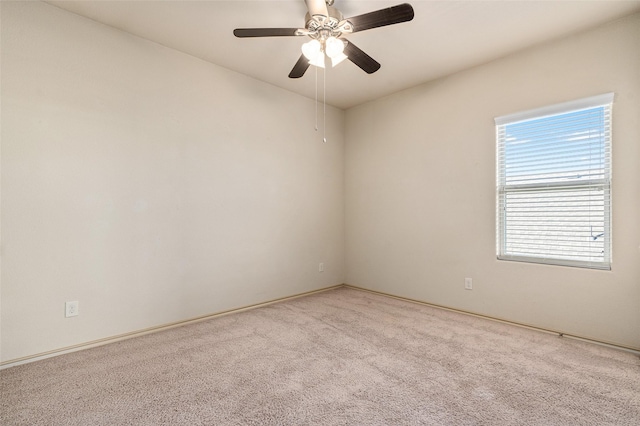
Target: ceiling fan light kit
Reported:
[(315, 50), (325, 25)]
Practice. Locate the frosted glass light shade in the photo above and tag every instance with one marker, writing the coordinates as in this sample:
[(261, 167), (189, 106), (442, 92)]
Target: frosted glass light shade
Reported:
[(337, 59), (311, 49), (318, 61), (334, 47)]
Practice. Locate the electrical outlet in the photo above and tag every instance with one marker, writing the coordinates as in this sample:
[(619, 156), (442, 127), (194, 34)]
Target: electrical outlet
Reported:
[(468, 284), (71, 308), (320, 267)]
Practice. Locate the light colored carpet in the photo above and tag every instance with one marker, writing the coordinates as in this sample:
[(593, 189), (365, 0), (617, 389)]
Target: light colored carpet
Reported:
[(339, 357)]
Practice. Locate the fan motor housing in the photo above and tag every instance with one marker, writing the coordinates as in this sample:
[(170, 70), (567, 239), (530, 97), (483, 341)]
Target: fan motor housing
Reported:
[(317, 22)]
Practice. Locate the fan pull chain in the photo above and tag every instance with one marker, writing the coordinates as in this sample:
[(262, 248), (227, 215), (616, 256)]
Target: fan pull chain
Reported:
[(324, 105), (316, 98)]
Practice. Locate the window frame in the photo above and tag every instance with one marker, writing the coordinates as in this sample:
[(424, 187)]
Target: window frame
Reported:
[(503, 190)]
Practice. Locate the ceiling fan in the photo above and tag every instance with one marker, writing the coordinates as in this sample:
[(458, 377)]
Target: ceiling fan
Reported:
[(326, 26)]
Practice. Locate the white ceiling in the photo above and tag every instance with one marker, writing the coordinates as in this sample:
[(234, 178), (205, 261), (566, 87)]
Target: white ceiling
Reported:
[(443, 38)]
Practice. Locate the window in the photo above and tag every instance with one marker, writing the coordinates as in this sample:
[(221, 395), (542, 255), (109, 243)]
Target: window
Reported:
[(554, 184)]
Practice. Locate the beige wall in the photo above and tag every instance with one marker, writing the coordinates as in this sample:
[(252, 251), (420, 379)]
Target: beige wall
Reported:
[(154, 187), (420, 189), (151, 186)]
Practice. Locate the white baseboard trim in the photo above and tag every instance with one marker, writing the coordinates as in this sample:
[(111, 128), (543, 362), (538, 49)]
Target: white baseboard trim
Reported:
[(633, 350), (137, 333)]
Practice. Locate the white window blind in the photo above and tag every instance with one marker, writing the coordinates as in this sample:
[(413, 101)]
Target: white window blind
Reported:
[(554, 184)]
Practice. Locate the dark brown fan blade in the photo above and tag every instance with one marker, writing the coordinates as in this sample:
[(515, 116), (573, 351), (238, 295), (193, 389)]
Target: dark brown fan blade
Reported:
[(299, 68), (264, 32), (380, 18), (361, 59)]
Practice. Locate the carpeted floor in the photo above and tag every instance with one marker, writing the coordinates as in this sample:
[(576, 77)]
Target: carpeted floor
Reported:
[(334, 358)]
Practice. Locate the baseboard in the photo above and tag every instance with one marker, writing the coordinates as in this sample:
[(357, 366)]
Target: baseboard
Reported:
[(137, 333), (613, 345), (163, 327)]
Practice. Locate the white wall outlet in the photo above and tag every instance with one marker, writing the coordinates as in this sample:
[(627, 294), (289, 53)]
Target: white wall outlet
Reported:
[(320, 267), (468, 284), (71, 308)]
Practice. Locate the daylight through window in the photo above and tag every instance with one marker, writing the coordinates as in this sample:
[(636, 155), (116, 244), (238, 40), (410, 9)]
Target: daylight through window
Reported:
[(554, 184)]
